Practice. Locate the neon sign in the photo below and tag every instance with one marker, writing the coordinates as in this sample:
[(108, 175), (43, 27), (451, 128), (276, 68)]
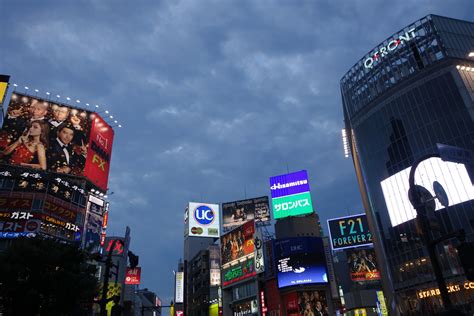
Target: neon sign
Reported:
[(390, 47)]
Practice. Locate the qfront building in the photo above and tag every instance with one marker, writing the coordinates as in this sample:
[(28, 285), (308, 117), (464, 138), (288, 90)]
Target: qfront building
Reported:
[(412, 91)]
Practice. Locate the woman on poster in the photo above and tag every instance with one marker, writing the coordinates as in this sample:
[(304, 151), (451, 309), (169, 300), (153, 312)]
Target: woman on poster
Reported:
[(29, 150)]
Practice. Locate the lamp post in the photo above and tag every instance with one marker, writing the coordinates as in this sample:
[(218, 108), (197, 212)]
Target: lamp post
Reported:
[(419, 200)]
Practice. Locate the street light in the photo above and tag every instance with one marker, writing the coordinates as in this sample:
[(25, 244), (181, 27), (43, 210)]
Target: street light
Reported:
[(423, 202)]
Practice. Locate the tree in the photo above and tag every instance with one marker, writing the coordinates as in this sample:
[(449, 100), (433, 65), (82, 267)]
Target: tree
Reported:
[(46, 277)]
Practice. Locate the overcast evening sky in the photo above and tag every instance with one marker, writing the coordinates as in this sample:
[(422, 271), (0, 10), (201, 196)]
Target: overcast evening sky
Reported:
[(214, 97)]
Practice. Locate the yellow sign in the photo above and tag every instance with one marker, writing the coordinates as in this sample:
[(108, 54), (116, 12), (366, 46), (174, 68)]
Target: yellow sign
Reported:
[(451, 289), (382, 305), (3, 89)]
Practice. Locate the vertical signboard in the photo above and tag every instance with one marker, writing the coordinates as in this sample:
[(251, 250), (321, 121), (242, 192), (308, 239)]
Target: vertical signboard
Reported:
[(259, 259), (100, 150), (179, 289), (203, 220), (290, 194)]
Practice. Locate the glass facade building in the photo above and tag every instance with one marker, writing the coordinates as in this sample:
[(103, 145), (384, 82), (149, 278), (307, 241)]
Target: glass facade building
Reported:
[(412, 91)]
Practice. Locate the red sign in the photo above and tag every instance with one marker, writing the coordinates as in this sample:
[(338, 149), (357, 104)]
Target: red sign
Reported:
[(100, 151), (118, 247), (133, 275), (179, 313)]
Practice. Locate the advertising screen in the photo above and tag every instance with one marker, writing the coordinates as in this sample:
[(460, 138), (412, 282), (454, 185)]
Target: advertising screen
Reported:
[(299, 261), (203, 220), (363, 265), (238, 243), (292, 205), (238, 272), (349, 232), (238, 212), (92, 232), (312, 302), (45, 135), (452, 176), (289, 184)]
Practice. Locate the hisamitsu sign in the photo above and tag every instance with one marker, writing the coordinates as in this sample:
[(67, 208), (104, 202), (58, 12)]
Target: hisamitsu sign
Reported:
[(349, 232), (288, 184)]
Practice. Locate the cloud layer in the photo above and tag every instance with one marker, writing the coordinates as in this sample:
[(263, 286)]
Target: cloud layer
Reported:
[(214, 97)]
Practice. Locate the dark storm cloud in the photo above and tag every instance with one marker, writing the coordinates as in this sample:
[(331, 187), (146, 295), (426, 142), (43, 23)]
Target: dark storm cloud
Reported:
[(214, 97)]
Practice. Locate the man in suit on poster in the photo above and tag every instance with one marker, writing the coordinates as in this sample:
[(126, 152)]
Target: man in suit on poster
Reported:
[(62, 156)]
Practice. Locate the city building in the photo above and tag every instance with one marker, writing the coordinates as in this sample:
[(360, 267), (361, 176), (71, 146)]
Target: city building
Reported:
[(410, 92)]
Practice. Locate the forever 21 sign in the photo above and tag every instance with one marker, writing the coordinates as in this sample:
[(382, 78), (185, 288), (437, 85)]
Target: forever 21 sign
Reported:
[(349, 232)]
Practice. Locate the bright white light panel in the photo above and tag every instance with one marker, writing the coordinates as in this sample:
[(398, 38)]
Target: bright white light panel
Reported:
[(452, 176)]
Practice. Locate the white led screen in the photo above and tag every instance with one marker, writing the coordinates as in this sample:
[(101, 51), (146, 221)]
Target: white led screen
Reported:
[(452, 176)]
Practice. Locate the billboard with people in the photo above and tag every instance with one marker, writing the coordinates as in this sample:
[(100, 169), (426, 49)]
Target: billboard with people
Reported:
[(239, 212), (363, 265), (49, 136), (238, 243)]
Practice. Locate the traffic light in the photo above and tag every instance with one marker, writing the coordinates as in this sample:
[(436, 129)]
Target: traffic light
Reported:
[(466, 256), (132, 259)]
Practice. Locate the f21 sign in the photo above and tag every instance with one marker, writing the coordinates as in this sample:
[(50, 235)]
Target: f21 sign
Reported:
[(349, 232)]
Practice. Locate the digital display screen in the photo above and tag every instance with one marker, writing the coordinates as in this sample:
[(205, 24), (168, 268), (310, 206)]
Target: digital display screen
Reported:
[(300, 261)]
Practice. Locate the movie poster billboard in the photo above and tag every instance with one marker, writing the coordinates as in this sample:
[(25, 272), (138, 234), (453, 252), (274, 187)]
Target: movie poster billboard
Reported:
[(300, 260), (311, 302), (238, 243), (239, 212), (49, 136), (92, 232), (349, 232), (363, 265)]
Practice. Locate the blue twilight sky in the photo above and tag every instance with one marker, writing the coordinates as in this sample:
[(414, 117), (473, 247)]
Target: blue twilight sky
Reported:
[(214, 97)]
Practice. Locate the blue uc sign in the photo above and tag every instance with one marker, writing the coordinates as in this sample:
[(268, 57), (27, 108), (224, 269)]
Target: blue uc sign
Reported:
[(204, 215)]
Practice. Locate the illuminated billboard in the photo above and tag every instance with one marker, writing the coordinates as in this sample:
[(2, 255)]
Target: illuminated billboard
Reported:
[(349, 232), (452, 176), (238, 243), (292, 205), (300, 260), (238, 212), (289, 184), (45, 135), (203, 220), (244, 269), (311, 302), (363, 265), (3, 86), (132, 276), (179, 287), (290, 195)]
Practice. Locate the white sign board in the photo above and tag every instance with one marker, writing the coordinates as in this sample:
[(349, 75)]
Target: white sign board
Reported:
[(204, 220)]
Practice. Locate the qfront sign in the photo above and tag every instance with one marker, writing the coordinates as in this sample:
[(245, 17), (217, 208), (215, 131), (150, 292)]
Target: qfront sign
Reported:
[(204, 220), (389, 48), (349, 232)]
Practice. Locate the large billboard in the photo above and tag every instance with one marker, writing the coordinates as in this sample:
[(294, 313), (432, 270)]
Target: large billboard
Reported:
[(238, 243), (244, 269), (452, 176), (238, 212), (363, 265), (203, 220), (300, 260), (45, 135), (311, 302), (289, 184), (349, 232), (290, 195)]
